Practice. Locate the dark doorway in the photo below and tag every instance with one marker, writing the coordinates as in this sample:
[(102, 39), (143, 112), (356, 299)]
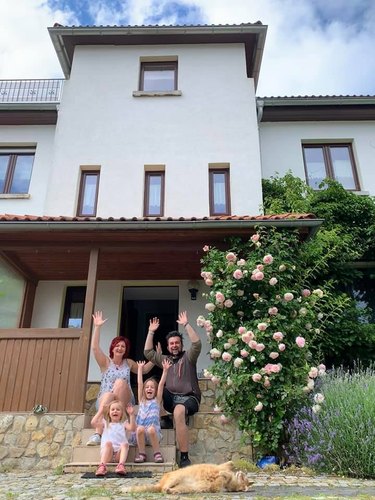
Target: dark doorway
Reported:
[(139, 305)]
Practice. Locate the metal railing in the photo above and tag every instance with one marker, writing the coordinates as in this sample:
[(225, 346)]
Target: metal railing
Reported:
[(38, 91)]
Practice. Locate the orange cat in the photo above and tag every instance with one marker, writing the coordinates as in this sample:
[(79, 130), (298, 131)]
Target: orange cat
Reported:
[(200, 478)]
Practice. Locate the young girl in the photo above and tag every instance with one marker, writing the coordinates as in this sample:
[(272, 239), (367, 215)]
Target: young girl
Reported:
[(114, 444), (148, 431)]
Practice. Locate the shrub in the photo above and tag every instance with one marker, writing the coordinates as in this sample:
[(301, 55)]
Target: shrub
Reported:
[(339, 437), (262, 318)]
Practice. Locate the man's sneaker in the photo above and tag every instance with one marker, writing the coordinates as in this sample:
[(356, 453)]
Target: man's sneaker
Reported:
[(94, 440), (184, 462)]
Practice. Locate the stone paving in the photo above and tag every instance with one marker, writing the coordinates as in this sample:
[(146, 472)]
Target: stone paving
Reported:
[(50, 486)]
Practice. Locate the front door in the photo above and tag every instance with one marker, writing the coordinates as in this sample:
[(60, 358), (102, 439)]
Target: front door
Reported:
[(139, 305)]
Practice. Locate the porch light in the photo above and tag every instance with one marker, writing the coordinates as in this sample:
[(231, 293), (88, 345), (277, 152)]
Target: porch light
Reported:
[(193, 287)]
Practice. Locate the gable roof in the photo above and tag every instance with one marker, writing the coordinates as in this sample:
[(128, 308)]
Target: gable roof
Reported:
[(252, 35)]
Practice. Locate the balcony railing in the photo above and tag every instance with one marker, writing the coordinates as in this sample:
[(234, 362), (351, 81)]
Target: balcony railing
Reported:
[(31, 91)]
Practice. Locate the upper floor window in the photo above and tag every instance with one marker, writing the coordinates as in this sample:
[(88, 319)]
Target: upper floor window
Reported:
[(88, 193), (154, 194), (219, 191), (15, 171), (158, 76), (333, 161)]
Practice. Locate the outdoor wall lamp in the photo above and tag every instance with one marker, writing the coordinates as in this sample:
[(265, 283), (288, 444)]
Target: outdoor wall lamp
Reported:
[(193, 287)]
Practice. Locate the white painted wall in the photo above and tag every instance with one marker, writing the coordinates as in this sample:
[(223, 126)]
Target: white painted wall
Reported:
[(41, 136), (49, 304), (281, 148), (101, 123)]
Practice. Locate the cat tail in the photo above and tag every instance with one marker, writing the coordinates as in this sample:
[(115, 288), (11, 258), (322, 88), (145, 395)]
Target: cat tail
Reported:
[(151, 488)]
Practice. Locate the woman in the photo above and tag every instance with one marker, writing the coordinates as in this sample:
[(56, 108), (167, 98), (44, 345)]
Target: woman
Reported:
[(115, 368)]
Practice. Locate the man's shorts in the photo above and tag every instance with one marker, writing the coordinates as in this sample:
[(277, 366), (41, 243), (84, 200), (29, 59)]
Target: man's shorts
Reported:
[(171, 400)]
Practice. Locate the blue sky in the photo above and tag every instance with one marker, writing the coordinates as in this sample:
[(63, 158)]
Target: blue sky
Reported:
[(313, 47)]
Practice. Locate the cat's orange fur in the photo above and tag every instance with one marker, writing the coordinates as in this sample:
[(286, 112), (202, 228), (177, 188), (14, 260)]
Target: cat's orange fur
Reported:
[(200, 478)]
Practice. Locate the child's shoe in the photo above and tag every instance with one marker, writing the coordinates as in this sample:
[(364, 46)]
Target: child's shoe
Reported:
[(101, 470), (158, 458), (120, 469)]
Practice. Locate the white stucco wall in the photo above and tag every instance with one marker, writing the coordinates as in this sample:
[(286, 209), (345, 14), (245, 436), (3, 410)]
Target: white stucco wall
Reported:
[(41, 136), (49, 304), (101, 123), (281, 148)]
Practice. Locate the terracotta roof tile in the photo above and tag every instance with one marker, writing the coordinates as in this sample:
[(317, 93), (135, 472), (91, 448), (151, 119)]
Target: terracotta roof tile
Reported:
[(61, 218)]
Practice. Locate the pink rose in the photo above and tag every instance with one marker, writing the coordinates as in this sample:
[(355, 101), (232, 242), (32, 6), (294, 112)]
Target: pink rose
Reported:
[(273, 281), (241, 330), (258, 276), (272, 311), (268, 259), (237, 274), (209, 282), (288, 297), (253, 344), (306, 293), (210, 307), (247, 336), (228, 303), (300, 341), (260, 347), (274, 355), (241, 262), (231, 257), (226, 356), (215, 380), (262, 326), (282, 268), (206, 248), (257, 377), (238, 362), (255, 238), (244, 353), (282, 347), (219, 297), (278, 336), (267, 382), (313, 373), (260, 267)]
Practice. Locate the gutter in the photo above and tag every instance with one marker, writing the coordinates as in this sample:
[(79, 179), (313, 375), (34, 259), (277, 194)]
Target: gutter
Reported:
[(316, 101)]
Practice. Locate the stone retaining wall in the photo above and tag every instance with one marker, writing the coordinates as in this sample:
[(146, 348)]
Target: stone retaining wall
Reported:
[(29, 441)]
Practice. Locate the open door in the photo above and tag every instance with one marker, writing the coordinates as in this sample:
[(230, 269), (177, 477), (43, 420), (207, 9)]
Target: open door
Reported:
[(139, 305)]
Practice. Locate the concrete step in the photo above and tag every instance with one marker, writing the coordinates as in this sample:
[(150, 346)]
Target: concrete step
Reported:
[(169, 436), (81, 467), (83, 453)]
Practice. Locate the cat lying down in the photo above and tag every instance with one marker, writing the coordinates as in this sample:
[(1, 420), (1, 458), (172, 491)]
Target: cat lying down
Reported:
[(200, 478)]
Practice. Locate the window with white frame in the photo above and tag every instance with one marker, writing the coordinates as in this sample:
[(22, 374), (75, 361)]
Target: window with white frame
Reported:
[(332, 161), (16, 166)]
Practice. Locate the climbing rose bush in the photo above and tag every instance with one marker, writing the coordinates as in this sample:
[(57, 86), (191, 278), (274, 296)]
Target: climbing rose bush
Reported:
[(261, 319)]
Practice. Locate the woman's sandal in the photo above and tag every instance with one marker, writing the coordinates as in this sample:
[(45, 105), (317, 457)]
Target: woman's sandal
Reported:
[(158, 457), (140, 459)]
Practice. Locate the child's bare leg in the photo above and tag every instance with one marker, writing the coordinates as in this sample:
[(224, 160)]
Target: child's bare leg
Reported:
[(154, 438), (106, 453), (123, 454), (141, 439)]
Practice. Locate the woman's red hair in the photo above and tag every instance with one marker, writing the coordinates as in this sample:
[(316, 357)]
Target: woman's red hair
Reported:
[(116, 341)]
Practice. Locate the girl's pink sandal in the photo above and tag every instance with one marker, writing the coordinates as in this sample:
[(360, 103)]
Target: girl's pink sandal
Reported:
[(158, 457), (140, 459)]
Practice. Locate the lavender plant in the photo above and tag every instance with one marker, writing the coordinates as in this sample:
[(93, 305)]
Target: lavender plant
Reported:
[(339, 436)]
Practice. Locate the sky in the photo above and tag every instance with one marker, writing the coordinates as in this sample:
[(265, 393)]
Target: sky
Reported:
[(313, 47)]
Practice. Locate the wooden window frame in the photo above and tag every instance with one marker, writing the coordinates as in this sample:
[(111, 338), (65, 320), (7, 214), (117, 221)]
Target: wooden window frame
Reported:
[(154, 66), (212, 172), (146, 207), (326, 147), (12, 162), (84, 174), (70, 294)]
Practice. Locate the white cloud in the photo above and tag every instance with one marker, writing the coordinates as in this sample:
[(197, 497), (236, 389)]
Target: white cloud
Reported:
[(312, 48)]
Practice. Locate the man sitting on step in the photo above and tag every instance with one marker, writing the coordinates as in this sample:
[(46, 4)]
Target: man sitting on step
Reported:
[(182, 394)]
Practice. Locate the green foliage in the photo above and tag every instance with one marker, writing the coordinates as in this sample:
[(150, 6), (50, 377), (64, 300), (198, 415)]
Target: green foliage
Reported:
[(346, 236), (261, 312), (339, 436)]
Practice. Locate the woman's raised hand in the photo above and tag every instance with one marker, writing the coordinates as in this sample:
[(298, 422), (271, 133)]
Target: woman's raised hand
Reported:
[(98, 318)]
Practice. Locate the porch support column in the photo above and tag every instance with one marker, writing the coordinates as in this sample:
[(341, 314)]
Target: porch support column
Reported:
[(84, 344), (28, 304)]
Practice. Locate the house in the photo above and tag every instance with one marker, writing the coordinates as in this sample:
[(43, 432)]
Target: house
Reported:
[(114, 178)]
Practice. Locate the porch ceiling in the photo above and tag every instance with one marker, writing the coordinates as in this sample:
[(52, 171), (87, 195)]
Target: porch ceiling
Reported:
[(138, 249)]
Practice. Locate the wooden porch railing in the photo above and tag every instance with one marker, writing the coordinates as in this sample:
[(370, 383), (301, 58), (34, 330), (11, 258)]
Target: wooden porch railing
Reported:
[(41, 366)]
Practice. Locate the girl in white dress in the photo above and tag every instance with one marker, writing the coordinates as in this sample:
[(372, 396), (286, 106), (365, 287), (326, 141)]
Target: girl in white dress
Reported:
[(114, 444)]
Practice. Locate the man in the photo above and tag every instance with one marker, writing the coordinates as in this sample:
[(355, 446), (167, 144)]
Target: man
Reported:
[(181, 395)]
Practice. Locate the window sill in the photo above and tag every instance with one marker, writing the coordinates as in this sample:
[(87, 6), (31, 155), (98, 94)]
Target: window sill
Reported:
[(12, 196), (169, 93)]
